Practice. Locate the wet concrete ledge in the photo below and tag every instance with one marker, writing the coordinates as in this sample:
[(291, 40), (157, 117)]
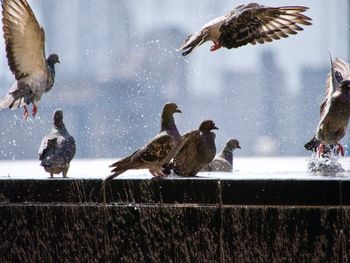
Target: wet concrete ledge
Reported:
[(175, 220), (269, 192)]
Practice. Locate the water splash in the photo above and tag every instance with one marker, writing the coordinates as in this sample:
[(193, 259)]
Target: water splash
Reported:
[(327, 164)]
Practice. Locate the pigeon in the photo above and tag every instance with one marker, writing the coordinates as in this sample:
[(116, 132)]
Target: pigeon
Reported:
[(223, 161), (335, 108), (197, 150), (25, 49), (57, 148), (251, 23), (158, 151)]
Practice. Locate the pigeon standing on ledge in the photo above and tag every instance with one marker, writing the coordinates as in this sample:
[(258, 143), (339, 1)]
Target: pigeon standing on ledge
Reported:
[(57, 149), (158, 151), (251, 23), (25, 49), (197, 150), (223, 161), (335, 108)]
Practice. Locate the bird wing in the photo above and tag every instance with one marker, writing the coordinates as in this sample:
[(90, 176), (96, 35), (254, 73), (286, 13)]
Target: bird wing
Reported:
[(47, 145), (254, 23), (187, 151), (156, 150), (68, 148), (24, 39), (340, 70)]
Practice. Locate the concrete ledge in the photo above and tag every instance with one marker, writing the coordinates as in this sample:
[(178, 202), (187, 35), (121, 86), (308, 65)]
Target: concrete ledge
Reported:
[(174, 220), (184, 191)]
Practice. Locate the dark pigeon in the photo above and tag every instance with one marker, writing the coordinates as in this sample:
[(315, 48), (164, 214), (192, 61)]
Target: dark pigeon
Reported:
[(223, 161), (197, 150), (251, 23), (25, 49), (335, 108), (57, 148), (158, 151)]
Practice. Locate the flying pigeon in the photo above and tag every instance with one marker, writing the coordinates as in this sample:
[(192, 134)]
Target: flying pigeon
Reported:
[(223, 161), (197, 150), (57, 148), (25, 49), (335, 108), (158, 151), (251, 23)]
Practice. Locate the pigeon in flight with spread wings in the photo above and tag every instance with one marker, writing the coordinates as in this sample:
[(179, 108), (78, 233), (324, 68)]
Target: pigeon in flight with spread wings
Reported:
[(335, 108), (25, 50), (251, 23), (158, 151)]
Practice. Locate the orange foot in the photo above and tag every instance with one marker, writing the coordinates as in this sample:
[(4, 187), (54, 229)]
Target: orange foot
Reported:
[(214, 47), (340, 149), (25, 113)]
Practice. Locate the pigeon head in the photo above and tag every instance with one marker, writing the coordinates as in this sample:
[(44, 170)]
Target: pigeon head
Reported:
[(207, 126), (58, 118), (232, 144), (167, 116), (53, 59)]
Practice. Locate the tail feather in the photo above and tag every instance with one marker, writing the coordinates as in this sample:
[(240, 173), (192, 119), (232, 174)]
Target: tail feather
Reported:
[(192, 42), (119, 167), (7, 102)]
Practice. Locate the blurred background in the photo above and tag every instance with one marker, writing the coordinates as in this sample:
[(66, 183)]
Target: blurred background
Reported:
[(119, 65)]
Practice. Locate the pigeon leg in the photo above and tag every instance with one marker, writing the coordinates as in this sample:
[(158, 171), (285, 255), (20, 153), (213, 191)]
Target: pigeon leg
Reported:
[(51, 175), (340, 149), (25, 113), (35, 110), (320, 150), (153, 172), (214, 47)]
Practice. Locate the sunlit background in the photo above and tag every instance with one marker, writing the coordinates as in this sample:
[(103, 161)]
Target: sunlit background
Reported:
[(119, 65)]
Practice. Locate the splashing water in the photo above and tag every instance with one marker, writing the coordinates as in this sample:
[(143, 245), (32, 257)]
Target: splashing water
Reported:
[(326, 164)]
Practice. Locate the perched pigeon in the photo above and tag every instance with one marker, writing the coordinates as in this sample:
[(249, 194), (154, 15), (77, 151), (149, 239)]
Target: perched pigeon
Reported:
[(335, 108), (158, 151), (25, 48), (197, 150), (57, 148), (223, 161), (251, 23)]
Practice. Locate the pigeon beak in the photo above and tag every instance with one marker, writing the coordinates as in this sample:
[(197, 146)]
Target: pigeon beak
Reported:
[(239, 147), (215, 128), (178, 110), (58, 61)]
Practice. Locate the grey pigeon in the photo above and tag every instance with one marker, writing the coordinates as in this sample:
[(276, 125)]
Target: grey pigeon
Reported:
[(223, 161), (251, 23), (57, 148), (158, 151), (197, 150), (335, 108), (25, 49)]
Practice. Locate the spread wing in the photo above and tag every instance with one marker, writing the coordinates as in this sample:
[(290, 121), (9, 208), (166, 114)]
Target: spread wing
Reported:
[(254, 23), (340, 70), (24, 39)]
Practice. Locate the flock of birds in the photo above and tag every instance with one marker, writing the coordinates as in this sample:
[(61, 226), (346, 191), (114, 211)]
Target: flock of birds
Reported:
[(168, 151)]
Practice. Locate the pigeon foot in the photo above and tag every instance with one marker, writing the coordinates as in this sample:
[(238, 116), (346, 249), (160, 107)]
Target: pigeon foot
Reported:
[(34, 111), (25, 113), (214, 47), (320, 150), (340, 149)]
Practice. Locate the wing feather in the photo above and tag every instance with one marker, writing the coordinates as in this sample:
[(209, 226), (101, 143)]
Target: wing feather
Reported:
[(24, 39), (255, 23)]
